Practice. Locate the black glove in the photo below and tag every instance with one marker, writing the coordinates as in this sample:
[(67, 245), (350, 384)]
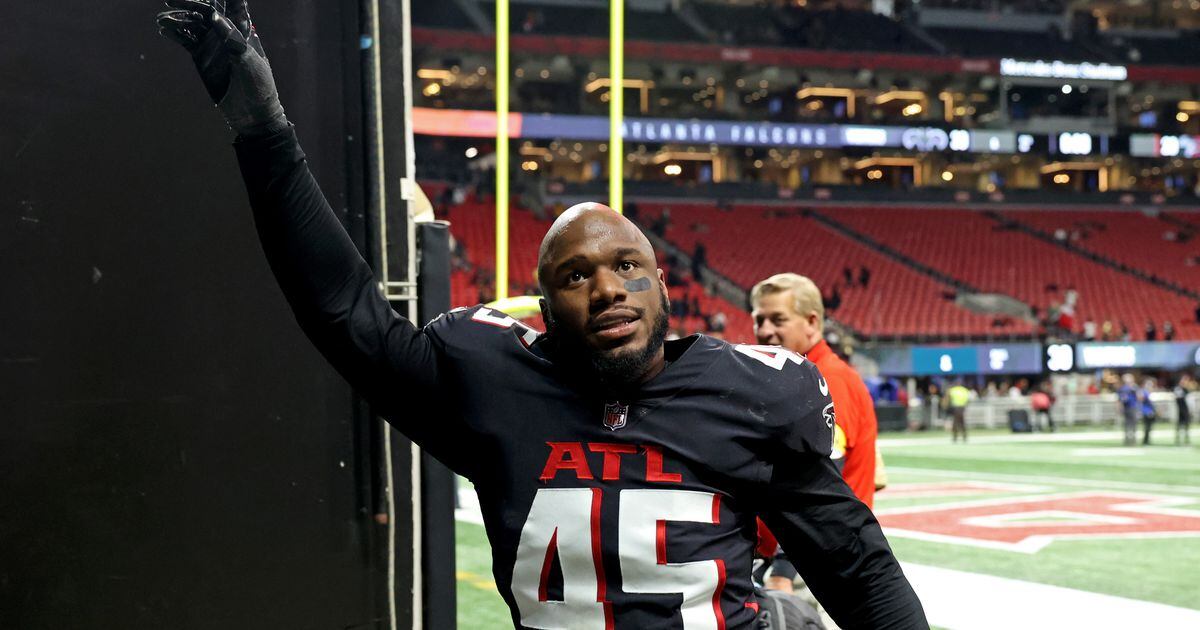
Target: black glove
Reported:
[(231, 61)]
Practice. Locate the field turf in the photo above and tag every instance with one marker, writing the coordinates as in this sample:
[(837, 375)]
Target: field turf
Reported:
[(928, 473)]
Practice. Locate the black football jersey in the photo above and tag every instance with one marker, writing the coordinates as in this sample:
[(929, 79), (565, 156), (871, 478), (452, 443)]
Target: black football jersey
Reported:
[(632, 513), (626, 514)]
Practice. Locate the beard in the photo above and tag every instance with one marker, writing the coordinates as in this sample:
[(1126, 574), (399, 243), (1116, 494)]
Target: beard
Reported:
[(619, 368)]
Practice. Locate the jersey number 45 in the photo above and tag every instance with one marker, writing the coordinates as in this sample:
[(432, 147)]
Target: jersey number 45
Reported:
[(566, 522)]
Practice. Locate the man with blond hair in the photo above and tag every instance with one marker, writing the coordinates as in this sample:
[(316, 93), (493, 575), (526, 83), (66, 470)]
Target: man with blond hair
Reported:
[(788, 312)]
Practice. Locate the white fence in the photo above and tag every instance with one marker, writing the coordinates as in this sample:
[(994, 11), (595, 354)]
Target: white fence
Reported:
[(1085, 409)]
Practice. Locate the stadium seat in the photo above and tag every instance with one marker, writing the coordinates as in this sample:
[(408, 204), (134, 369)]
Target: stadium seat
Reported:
[(974, 248), (747, 243), (473, 225), (1145, 243)]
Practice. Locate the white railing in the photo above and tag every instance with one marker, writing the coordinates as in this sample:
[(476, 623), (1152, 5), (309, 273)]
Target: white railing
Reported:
[(1082, 409)]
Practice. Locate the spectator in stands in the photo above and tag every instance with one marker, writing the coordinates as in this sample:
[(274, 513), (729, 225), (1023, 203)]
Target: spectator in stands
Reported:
[(1168, 331), (533, 21), (660, 225), (1089, 329), (1198, 313), (1127, 395), (675, 278), (1042, 402), (1107, 333), (1053, 315), (1066, 318), (1149, 415), (834, 300), (958, 397), (1151, 331), (864, 277), (679, 305), (1183, 388), (1125, 334), (717, 322), (1071, 298), (699, 260)]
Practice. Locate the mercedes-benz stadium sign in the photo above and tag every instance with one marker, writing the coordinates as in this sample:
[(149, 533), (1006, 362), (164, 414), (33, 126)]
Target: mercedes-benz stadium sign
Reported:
[(1039, 69)]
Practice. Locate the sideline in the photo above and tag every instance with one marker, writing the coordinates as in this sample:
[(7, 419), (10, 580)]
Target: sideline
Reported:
[(1008, 438)]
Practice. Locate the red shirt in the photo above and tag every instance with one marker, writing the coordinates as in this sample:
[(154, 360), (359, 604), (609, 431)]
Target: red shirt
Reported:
[(854, 412)]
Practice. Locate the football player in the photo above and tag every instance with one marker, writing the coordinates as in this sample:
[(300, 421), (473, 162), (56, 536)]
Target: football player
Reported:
[(618, 475)]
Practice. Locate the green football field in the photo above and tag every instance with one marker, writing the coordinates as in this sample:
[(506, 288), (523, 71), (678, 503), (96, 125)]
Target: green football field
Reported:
[(1072, 509)]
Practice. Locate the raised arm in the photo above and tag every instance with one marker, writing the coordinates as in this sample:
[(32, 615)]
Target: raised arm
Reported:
[(331, 289)]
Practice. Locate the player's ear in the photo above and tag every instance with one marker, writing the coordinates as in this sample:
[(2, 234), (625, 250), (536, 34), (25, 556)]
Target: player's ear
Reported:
[(547, 319), (662, 285)]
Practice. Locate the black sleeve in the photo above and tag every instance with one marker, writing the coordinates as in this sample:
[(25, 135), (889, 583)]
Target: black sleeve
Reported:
[(332, 291), (837, 546)]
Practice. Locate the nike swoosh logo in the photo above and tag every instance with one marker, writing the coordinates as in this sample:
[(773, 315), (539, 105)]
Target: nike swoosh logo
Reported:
[(824, 387)]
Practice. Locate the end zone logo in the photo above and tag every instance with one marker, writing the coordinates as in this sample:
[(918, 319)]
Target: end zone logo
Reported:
[(1028, 524)]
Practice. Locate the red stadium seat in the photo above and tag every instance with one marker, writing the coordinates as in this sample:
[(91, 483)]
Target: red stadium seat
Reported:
[(473, 225), (971, 247), (748, 243)]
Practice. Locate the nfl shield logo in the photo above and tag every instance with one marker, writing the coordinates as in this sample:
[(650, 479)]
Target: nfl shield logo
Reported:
[(615, 415)]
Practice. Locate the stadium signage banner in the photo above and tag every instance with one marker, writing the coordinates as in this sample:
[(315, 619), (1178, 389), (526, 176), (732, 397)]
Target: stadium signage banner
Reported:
[(1166, 355), (958, 360), (480, 124), (551, 126), (1039, 69), (1155, 145)]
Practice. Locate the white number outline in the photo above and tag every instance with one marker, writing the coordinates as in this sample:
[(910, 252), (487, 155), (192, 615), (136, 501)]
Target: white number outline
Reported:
[(555, 519), (772, 356), (492, 317)]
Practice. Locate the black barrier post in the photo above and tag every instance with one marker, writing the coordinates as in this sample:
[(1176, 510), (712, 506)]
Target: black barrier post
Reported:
[(437, 482)]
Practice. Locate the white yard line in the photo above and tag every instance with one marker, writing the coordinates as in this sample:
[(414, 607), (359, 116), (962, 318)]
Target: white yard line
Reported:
[(960, 600), (967, 454), (1044, 479)]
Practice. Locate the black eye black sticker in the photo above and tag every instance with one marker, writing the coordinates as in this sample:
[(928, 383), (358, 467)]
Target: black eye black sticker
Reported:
[(637, 285)]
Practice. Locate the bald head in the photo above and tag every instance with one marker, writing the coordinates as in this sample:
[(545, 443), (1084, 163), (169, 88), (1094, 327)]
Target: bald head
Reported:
[(604, 297), (585, 225)]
